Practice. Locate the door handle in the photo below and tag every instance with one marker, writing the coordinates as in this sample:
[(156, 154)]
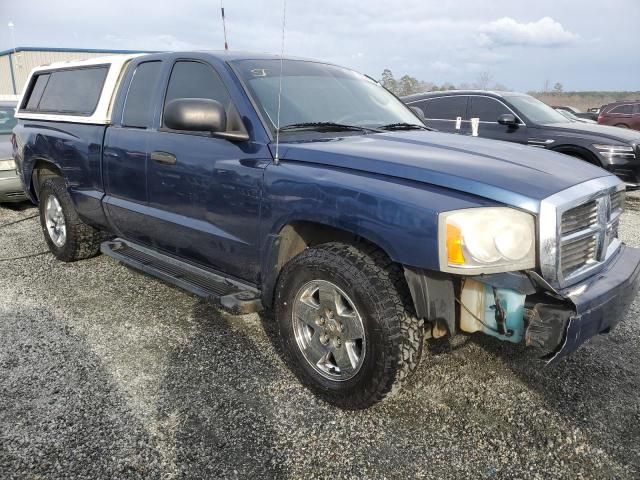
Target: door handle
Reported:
[(165, 158)]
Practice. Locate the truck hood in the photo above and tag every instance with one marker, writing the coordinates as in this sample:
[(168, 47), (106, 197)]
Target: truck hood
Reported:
[(594, 130), (505, 172)]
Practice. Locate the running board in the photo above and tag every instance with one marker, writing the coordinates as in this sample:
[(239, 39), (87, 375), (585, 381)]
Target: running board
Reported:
[(236, 297)]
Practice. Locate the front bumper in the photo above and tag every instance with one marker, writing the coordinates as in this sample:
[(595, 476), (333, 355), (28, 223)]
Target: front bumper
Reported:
[(601, 300), (11, 187)]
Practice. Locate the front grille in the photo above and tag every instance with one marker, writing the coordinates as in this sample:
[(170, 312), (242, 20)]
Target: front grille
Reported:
[(617, 201), (575, 255), (579, 217), (578, 229), (587, 230)]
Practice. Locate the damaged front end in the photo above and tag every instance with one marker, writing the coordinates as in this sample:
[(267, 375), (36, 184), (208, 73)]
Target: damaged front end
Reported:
[(521, 307)]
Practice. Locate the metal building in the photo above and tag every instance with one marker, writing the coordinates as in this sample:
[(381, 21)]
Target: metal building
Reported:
[(15, 65)]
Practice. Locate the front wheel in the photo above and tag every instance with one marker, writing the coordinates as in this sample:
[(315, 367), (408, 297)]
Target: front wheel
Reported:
[(347, 324)]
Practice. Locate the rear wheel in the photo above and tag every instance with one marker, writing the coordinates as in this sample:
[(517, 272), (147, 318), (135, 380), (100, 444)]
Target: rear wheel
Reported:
[(622, 125), (68, 237), (347, 324)]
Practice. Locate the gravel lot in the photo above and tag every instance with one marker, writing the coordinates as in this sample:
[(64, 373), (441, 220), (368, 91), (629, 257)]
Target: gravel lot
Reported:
[(107, 373)]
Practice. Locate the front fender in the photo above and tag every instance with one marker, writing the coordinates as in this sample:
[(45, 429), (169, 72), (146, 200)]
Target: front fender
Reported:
[(400, 216)]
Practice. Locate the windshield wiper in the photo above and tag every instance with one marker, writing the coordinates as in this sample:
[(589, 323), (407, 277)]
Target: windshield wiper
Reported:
[(404, 126), (326, 126)]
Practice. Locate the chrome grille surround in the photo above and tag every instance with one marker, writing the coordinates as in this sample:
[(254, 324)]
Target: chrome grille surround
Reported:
[(580, 224)]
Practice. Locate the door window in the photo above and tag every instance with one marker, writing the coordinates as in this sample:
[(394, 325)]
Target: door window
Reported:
[(486, 109), (446, 108), (623, 109), (422, 105), (196, 80)]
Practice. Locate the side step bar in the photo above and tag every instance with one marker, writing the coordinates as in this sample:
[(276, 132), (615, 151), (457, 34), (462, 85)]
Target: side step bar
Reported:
[(236, 297)]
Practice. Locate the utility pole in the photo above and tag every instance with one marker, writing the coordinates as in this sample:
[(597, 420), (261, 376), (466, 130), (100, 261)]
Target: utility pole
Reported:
[(13, 41)]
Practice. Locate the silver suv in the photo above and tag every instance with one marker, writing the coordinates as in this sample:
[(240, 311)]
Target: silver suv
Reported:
[(10, 187)]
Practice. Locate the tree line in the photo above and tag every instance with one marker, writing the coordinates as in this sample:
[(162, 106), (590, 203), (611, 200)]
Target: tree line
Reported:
[(408, 85)]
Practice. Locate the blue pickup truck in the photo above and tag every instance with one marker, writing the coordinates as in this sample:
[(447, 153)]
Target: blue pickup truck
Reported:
[(310, 192)]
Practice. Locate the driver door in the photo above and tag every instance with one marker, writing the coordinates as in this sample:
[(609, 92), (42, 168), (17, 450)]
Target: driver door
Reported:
[(204, 192)]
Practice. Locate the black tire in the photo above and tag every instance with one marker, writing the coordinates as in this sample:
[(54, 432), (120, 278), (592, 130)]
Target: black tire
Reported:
[(379, 292), (82, 241), (622, 125)]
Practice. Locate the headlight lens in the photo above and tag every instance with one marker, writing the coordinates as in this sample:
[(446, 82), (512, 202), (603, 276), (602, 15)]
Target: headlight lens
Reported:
[(486, 240), (619, 151), (7, 165)]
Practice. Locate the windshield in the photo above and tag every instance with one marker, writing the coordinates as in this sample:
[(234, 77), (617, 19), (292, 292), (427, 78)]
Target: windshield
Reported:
[(535, 110), (7, 120), (315, 92)]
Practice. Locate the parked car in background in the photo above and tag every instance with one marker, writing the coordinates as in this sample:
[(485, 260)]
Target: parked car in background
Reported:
[(576, 112), (571, 116), (621, 114), (520, 118), (10, 186)]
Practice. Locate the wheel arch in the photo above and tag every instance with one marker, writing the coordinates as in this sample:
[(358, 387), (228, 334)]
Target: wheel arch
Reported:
[(296, 236), (42, 169), (577, 151)]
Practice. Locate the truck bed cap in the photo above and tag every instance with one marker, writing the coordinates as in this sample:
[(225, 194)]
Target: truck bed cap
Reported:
[(102, 112)]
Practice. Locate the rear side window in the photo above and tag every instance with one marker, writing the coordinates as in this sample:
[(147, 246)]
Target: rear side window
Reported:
[(637, 110), (73, 91), (622, 109), (486, 109), (138, 107), (446, 108)]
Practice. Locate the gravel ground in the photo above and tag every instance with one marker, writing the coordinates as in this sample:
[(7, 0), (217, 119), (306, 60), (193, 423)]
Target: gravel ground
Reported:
[(107, 373)]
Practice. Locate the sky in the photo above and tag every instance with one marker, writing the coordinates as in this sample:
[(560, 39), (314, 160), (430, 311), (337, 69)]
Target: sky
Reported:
[(583, 44)]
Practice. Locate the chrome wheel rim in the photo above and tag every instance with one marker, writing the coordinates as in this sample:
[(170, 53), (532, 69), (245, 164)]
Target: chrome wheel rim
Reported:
[(54, 220), (329, 330)]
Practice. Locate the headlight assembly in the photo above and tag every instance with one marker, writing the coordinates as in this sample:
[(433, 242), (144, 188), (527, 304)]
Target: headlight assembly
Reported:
[(486, 240), (8, 164), (617, 151)]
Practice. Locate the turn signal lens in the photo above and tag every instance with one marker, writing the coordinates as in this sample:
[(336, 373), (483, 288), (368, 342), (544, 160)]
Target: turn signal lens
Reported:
[(454, 245)]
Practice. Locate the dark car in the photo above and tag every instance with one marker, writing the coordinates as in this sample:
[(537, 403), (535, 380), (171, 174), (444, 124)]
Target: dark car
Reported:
[(621, 114), (576, 112), (573, 117), (520, 118)]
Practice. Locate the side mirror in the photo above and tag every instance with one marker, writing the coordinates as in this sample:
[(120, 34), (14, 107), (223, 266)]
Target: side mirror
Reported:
[(508, 119), (419, 113), (195, 115), (200, 115)]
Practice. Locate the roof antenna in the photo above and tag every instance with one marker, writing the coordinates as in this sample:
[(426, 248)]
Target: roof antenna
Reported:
[(276, 160), (224, 26)]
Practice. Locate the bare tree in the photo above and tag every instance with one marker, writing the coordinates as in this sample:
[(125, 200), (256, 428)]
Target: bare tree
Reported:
[(484, 80)]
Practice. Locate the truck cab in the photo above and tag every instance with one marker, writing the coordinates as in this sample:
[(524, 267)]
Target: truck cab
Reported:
[(306, 190)]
